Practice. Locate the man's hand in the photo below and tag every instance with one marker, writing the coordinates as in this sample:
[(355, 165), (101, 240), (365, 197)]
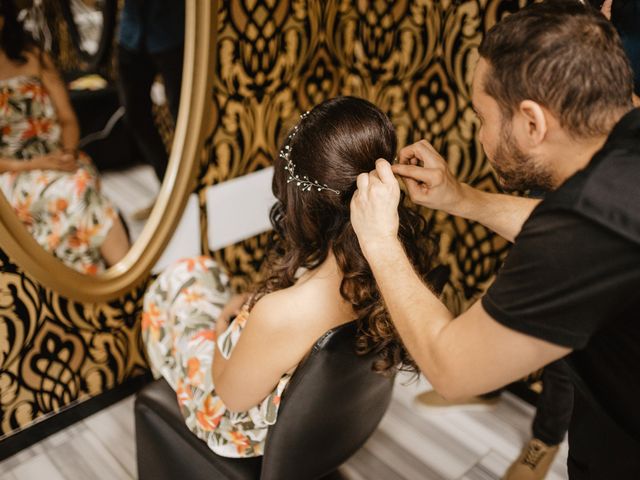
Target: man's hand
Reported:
[(374, 208), (428, 179)]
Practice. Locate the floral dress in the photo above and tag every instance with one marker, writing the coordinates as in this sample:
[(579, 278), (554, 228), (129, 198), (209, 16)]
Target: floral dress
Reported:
[(65, 212), (178, 330)]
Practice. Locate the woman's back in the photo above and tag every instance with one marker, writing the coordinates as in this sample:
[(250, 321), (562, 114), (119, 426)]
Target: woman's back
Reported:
[(181, 308), (315, 297)]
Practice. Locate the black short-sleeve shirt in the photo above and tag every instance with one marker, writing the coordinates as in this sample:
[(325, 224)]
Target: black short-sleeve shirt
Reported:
[(573, 277)]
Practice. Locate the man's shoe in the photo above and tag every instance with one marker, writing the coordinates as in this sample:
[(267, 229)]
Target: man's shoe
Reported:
[(533, 463), (431, 401)]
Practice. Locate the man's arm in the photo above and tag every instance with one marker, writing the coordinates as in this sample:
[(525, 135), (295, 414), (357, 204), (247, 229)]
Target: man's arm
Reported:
[(504, 214), (432, 185), (472, 355)]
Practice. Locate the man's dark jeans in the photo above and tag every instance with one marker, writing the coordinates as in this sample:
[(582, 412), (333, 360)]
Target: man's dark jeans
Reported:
[(555, 404), (136, 73)]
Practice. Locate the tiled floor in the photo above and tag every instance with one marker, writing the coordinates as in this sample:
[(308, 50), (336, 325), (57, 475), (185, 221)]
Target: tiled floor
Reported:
[(407, 445), (130, 190)]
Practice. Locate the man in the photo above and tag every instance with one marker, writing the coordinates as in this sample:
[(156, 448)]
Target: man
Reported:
[(151, 42), (553, 91)]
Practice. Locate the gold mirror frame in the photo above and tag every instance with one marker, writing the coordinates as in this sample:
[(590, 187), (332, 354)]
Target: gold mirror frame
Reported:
[(179, 181)]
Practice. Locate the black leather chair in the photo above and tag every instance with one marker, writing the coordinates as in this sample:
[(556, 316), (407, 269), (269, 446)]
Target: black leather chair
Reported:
[(333, 403)]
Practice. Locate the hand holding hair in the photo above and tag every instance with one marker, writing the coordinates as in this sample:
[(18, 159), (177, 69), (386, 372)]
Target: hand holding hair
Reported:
[(427, 177), (374, 208)]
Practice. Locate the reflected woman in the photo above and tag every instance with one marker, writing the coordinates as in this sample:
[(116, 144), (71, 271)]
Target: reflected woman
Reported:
[(53, 188), (229, 375)]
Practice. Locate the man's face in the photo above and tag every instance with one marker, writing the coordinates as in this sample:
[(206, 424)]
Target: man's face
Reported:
[(516, 169)]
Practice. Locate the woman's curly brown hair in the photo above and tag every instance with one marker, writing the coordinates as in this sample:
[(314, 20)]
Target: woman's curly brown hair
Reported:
[(339, 139)]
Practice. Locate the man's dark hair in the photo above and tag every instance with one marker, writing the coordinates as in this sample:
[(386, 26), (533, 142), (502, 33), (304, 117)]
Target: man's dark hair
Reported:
[(565, 56)]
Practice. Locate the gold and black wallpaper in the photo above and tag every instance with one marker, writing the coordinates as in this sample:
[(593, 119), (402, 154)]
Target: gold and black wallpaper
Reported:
[(275, 59), (54, 352), (414, 59)]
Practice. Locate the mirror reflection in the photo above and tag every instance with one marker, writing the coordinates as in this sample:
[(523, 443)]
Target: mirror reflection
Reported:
[(86, 129)]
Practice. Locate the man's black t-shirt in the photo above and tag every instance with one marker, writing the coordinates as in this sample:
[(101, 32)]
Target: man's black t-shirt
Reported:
[(573, 279)]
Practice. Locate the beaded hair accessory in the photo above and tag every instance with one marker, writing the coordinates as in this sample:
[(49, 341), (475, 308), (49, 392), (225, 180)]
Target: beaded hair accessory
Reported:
[(303, 182)]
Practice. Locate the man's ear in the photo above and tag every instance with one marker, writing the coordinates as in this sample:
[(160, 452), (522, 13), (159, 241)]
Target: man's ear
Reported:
[(531, 122)]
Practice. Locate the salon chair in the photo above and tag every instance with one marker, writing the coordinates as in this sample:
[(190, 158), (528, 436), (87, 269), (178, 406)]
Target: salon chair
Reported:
[(332, 404)]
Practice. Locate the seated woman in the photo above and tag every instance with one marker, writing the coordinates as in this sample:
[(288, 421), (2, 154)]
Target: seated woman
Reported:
[(229, 376), (52, 187)]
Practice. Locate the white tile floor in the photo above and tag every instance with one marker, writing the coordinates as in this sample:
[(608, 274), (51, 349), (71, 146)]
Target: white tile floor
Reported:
[(407, 446), (130, 190)]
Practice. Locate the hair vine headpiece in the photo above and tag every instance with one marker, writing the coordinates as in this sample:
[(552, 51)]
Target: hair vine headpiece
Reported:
[(303, 182)]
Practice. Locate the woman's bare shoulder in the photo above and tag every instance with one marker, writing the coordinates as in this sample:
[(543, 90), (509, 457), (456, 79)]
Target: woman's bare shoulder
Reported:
[(309, 309)]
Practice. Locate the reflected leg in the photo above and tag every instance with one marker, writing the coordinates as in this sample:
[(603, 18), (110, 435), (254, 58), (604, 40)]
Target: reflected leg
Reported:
[(116, 243), (136, 73), (169, 65)]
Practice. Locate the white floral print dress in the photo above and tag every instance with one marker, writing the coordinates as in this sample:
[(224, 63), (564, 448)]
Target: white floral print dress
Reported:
[(178, 331), (65, 212)]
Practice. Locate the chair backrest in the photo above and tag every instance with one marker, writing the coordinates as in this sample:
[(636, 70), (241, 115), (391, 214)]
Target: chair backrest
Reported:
[(333, 403), (238, 209)]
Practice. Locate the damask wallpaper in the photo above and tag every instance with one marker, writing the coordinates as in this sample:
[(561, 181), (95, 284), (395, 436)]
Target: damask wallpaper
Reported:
[(275, 59), (414, 59)]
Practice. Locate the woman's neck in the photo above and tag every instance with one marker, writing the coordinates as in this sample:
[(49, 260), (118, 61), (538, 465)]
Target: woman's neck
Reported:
[(10, 68), (327, 270)]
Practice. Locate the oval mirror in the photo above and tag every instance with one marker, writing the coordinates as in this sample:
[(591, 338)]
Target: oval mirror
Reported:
[(89, 19)]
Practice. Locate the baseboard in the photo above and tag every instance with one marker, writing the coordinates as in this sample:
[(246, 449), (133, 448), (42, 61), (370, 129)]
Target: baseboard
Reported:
[(68, 416)]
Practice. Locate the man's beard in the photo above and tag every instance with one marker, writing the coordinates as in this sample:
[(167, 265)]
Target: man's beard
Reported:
[(516, 170)]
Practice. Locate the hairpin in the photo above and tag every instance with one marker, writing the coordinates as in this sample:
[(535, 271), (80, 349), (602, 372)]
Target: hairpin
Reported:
[(303, 182)]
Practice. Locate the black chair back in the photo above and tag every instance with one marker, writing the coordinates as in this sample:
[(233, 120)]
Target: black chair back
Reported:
[(333, 403)]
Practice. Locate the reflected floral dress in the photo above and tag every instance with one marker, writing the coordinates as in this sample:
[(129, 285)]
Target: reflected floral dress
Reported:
[(65, 212), (178, 331)]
